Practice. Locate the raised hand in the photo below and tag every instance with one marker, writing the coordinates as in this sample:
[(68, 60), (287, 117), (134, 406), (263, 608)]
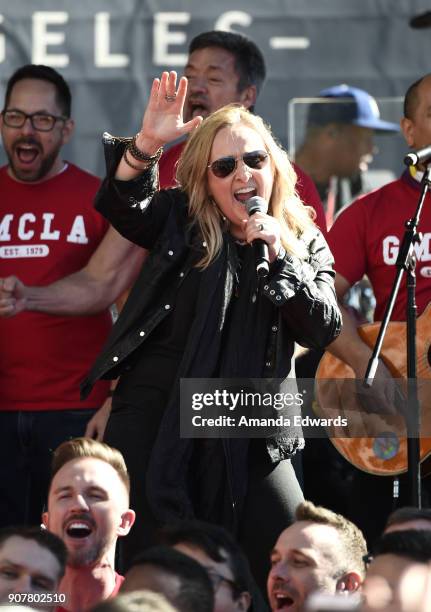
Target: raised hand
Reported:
[(163, 118)]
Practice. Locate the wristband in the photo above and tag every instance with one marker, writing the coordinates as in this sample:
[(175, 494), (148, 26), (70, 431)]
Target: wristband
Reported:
[(129, 163), (140, 155)]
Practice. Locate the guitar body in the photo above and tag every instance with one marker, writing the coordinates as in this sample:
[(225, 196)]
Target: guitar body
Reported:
[(377, 443)]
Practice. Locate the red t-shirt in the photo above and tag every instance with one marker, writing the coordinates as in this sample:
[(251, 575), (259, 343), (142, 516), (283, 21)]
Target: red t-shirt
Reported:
[(365, 239), (47, 231), (306, 188), (118, 582)]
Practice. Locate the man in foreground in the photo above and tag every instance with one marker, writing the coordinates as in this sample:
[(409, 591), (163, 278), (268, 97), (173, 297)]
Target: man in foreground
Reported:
[(320, 552), (88, 508), (32, 564)]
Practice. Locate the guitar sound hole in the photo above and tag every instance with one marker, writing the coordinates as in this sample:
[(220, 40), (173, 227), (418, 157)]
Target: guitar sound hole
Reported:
[(429, 355)]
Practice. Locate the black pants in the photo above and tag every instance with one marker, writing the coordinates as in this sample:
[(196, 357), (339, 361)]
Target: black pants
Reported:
[(27, 441), (133, 429), (273, 491), (272, 497)]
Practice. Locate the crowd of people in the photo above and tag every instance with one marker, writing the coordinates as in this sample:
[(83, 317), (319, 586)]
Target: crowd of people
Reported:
[(90, 411), (68, 563)]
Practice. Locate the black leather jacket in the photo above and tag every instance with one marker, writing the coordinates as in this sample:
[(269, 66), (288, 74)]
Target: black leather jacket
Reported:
[(302, 292), (250, 335)]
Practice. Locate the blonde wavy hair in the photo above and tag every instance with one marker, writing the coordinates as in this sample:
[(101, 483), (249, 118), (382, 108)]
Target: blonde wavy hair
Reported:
[(284, 204)]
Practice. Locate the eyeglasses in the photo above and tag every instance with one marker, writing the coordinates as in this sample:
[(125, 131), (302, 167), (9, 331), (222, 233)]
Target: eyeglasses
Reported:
[(42, 122), (217, 579), (221, 168)]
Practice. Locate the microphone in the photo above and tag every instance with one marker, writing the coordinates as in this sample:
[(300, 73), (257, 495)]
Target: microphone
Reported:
[(416, 157), (253, 205)]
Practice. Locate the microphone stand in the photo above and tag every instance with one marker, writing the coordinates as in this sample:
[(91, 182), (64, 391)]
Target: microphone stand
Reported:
[(406, 262)]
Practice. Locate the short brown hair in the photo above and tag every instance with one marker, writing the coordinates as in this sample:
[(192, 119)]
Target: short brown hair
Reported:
[(407, 514), (352, 538), (78, 448), (42, 537)]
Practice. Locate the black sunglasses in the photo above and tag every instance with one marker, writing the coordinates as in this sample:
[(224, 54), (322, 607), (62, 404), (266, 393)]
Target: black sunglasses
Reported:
[(221, 168)]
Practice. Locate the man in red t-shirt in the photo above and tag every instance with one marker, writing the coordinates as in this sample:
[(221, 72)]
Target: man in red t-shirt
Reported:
[(365, 239), (88, 508), (48, 230), (366, 236)]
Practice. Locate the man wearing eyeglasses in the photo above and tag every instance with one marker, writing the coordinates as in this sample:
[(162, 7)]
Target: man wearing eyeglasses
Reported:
[(48, 230), (177, 576), (214, 548)]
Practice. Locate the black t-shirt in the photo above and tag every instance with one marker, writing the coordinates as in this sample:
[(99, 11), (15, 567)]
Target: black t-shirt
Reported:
[(155, 363)]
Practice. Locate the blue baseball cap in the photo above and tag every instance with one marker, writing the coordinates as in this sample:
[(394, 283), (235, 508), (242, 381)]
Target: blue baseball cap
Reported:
[(350, 105)]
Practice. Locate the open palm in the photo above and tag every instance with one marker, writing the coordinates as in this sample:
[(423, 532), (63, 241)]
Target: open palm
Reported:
[(163, 118)]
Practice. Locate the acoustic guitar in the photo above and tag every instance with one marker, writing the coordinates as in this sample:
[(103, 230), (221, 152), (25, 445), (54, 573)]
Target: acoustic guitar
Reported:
[(373, 442)]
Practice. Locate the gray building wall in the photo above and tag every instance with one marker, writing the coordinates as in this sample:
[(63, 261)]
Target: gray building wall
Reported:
[(110, 50)]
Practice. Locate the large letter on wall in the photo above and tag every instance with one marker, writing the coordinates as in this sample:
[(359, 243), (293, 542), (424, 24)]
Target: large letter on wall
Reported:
[(230, 18), (102, 57), (2, 44), (163, 37), (42, 38)]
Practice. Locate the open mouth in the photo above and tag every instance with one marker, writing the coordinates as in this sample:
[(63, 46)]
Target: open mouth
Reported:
[(26, 153), (283, 602), (198, 108), (244, 194), (78, 530)]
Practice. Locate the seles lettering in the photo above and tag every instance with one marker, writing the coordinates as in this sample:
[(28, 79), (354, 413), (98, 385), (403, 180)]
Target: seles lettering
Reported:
[(51, 32), (391, 247), (25, 226)]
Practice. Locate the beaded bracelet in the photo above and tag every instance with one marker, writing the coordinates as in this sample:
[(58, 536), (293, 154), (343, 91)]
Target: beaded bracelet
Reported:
[(129, 163), (140, 155)]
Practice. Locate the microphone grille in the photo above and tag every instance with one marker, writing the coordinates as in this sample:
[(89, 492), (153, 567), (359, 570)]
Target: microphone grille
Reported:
[(256, 204)]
